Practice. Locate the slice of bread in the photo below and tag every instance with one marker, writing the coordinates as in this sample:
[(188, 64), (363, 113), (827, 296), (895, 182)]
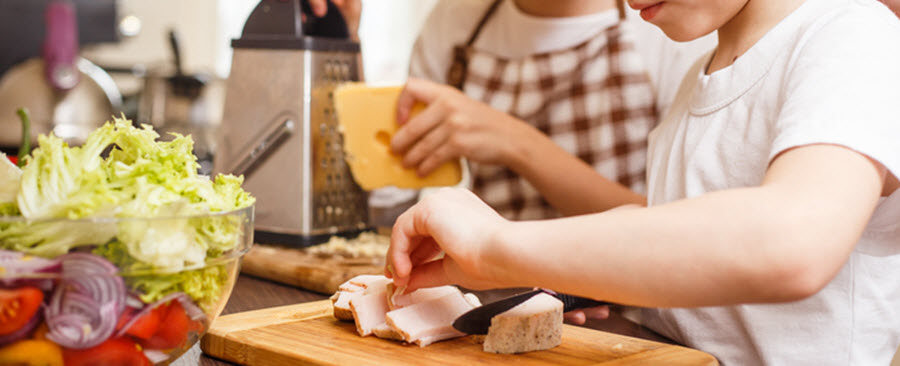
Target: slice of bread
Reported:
[(533, 325)]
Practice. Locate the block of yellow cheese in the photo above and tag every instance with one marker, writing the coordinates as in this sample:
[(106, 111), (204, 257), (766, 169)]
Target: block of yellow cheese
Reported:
[(368, 119)]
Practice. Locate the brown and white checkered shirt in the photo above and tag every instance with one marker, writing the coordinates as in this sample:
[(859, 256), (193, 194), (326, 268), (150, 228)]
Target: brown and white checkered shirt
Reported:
[(594, 100)]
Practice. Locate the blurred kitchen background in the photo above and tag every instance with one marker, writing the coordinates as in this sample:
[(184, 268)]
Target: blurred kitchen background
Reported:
[(128, 53)]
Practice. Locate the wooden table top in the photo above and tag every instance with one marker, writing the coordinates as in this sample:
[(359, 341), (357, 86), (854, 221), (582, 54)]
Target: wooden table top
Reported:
[(251, 293)]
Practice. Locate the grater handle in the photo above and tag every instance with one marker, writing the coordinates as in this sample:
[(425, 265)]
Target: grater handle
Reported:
[(255, 154)]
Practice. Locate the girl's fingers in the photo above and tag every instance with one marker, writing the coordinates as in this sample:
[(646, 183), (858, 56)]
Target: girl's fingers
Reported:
[(417, 128), (441, 155), (319, 7), (576, 317), (599, 312), (415, 90), (426, 146)]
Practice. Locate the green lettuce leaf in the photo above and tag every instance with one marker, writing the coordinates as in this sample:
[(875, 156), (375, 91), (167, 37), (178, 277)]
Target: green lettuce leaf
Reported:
[(126, 172)]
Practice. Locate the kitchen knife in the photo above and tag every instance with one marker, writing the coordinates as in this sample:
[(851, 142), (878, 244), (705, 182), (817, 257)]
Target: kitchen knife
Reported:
[(478, 320)]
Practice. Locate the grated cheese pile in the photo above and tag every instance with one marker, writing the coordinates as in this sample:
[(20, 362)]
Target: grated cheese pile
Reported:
[(366, 245)]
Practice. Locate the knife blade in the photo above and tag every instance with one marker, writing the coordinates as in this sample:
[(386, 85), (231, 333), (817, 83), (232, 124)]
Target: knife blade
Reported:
[(478, 320)]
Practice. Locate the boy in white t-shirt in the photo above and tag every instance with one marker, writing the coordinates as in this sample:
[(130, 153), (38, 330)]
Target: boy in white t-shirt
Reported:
[(772, 232)]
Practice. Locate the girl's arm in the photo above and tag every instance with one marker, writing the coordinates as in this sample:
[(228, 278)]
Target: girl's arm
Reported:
[(454, 125), (781, 241)]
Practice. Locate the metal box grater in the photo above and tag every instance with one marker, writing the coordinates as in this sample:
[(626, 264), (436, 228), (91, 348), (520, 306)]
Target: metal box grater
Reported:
[(279, 128)]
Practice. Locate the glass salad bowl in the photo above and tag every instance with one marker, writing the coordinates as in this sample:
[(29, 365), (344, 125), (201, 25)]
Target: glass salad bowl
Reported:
[(116, 291)]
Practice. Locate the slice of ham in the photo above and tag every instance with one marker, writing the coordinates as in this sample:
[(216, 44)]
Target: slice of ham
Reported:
[(341, 304), (369, 311), (423, 316), (398, 300), (429, 321), (384, 331), (473, 300), (366, 281)]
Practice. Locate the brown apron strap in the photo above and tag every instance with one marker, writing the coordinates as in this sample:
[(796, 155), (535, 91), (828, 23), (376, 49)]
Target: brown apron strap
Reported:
[(621, 5), (456, 75)]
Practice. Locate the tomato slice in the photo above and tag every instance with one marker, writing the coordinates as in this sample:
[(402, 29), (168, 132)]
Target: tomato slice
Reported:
[(113, 352), (13, 159), (174, 328), (143, 327), (17, 306)]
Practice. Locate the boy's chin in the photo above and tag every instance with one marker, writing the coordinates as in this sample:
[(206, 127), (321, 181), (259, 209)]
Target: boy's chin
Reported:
[(680, 34)]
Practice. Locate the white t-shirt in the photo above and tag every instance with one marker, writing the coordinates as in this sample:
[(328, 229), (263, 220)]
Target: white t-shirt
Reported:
[(828, 73), (511, 33)]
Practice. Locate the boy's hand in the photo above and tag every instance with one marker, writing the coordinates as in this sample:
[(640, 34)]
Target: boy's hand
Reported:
[(452, 221), (454, 125)]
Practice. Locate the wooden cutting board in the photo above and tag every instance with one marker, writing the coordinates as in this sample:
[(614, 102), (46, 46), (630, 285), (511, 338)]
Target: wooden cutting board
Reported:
[(298, 268), (308, 334)]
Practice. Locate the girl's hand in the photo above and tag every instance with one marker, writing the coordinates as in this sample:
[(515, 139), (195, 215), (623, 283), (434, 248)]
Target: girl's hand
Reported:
[(452, 221), (580, 316), (350, 9), (453, 126)]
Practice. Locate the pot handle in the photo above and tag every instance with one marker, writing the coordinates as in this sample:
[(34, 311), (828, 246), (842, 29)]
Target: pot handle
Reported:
[(60, 48)]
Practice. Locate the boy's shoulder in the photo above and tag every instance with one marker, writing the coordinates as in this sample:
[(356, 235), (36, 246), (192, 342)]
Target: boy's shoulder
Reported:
[(852, 20)]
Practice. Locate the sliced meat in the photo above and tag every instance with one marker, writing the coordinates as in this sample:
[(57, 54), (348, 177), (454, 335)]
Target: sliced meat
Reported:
[(349, 287), (368, 312), (472, 299), (356, 287), (366, 281), (533, 325), (397, 300), (341, 304), (384, 331), (429, 321)]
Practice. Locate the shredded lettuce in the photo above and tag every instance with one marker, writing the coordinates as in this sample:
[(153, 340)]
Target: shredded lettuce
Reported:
[(122, 171), (10, 176), (203, 285)]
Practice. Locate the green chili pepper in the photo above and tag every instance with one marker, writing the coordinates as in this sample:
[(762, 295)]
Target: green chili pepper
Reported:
[(25, 148)]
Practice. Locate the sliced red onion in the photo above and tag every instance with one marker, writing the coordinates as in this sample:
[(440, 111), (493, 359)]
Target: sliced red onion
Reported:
[(94, 275), (77, 331), (16, 264), (22, 332), (192, 310), (86, 305)]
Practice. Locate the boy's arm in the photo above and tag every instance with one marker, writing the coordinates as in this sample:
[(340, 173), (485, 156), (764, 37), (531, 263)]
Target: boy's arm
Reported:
[(781, 241)]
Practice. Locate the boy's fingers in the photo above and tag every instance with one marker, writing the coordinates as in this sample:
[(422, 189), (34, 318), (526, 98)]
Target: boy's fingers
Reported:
[(403, 236), (430, 274), (425, 251)]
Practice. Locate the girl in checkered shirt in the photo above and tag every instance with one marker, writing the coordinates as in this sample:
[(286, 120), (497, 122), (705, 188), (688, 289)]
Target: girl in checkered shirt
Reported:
[(510, 86), (771, 233)]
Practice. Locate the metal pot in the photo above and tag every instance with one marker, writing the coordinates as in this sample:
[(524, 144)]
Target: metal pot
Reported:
[(66, 94), (70, 114)]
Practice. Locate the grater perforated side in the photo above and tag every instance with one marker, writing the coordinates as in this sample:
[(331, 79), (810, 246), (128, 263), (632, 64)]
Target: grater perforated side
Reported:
[(338, 202)]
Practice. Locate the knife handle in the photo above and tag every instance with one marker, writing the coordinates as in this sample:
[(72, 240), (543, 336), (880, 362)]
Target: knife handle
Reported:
[(571, 302)]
